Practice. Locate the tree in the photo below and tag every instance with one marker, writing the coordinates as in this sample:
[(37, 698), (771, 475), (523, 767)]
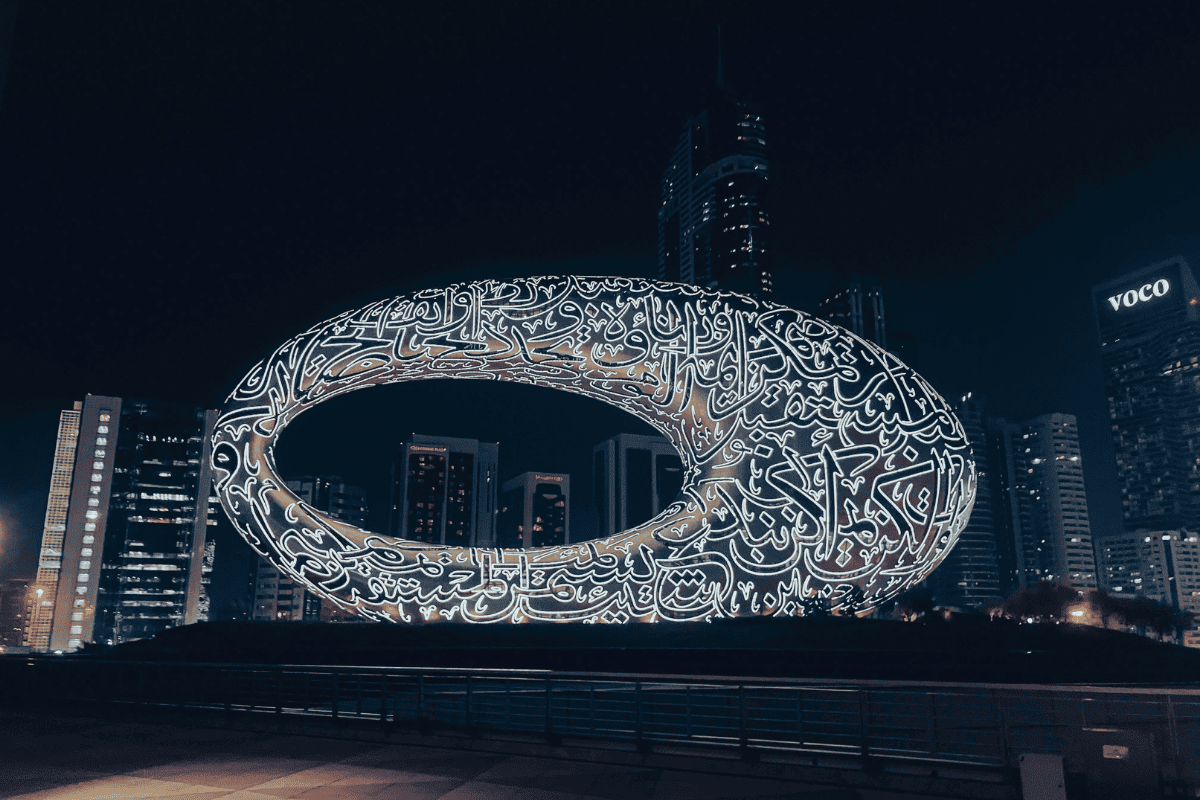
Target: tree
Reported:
[(852, 601), (1183, 621), (1103, 604), (1145, 614), (815, 606), (916, 602), (1046, 601)]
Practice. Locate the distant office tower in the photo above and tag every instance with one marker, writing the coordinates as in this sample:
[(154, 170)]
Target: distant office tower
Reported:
[(970, 575), (1006, 505), (535, 510), (277, 597), (1149, 327), (1159, 565), (14, 612), (1053, 535), (859, 309), (444, 491), (713, 222), (130, 548), (634, 478)]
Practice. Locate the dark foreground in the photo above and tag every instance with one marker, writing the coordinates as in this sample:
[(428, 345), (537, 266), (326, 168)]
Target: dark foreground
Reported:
[(974, 650), (50, 757)]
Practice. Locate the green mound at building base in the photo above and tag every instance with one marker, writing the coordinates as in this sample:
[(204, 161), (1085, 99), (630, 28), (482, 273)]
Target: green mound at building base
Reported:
[(966, 649)]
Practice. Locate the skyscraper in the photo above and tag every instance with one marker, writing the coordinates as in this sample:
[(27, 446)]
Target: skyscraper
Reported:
[(634, 478), (1052, 531), (41, 615), (970, 575), (14, 612), (858, 308), (125, 544), (535, 510), (277, 597), (713, 221), (1149, 328), (444, 491)]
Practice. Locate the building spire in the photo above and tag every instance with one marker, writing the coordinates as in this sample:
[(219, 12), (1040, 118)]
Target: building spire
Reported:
[(720, 66)]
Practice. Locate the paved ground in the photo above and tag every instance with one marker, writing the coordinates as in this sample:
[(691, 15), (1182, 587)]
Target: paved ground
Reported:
[(63, 758)]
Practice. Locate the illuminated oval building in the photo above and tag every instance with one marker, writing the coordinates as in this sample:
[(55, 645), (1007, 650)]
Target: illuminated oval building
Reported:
[(819, 471)]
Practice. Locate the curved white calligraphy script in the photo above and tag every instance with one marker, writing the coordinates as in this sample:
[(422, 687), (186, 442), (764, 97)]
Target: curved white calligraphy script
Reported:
[(821, 473)]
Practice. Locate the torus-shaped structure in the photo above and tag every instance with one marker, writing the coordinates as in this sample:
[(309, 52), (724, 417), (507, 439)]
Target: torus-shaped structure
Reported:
[(821, 472)]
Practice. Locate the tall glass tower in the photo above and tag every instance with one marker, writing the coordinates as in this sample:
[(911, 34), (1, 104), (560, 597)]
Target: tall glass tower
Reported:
[(1149, 328), (713, 222)]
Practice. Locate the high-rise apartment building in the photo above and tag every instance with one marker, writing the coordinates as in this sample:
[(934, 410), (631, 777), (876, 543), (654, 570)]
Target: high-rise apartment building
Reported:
[(1053, 539), (1158, 565), (535, 510), (634, 478), (1149, 328), (858, 308), (277, 597), (970, 575), (444, 491), (713, 222), (123, 550)]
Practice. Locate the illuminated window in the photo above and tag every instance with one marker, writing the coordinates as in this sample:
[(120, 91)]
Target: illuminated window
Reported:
[(101, 440), (85, 565), (101, 429), (97, 477), (76, 629), (77, 616), (89, 539), (92, 514)]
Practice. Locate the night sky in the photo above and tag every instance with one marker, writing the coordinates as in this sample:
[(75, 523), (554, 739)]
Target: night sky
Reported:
[(188, 184)]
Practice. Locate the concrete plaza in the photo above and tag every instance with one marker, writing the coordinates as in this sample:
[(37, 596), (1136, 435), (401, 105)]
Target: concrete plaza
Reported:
[(52, 757)]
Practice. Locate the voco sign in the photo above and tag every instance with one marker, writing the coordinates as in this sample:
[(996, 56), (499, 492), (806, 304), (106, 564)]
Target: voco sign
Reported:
[(1132, 297)]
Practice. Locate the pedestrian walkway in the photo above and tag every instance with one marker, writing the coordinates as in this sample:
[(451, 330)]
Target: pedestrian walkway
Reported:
[(76, 758)]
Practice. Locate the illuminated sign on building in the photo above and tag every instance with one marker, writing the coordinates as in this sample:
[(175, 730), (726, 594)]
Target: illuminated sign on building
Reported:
[(820, 471), (1147, 292)]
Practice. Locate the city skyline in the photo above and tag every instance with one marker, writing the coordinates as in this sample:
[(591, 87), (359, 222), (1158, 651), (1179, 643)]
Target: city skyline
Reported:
[(177, 232)]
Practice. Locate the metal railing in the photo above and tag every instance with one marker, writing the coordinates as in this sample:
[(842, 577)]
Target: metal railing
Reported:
[(979, 725)]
